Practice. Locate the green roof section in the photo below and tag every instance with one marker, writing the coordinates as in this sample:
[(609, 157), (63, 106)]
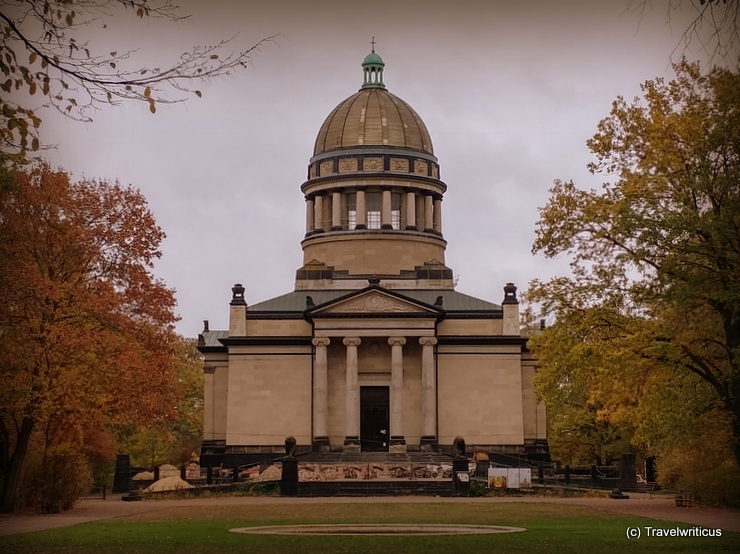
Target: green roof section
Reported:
[(297, 302), (210, 340), (373, 59)]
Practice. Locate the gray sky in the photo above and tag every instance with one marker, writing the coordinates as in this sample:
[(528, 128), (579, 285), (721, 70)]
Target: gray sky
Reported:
[(510, 92)]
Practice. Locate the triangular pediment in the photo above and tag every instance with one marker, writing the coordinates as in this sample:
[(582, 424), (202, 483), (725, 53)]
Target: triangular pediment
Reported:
[(374, 302)]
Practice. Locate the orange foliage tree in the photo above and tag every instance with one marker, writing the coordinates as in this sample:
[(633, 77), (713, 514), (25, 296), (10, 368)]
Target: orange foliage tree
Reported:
[(86, 330)]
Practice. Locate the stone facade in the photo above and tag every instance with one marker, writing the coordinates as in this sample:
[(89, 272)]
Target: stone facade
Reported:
[(374, 350)]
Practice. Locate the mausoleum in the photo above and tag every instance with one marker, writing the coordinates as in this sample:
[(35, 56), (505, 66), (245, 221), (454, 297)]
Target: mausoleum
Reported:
[(374, 349)]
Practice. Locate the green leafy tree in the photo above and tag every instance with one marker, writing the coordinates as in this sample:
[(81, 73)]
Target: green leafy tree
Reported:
[(656, 252), (44, 53)]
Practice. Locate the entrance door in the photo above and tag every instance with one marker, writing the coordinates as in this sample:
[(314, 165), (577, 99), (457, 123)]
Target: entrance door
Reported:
[(374, 421)]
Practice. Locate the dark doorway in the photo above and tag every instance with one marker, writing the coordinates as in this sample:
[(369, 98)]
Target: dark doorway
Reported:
[(374, 424)]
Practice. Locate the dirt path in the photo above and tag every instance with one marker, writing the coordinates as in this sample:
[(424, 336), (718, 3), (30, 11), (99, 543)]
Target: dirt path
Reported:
[(94, 510)]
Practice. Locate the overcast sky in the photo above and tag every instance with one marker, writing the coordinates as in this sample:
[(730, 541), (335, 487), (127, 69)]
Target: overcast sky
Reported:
[(510, 92)]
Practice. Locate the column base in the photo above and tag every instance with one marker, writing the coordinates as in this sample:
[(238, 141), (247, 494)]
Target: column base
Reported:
[(320, 444), (352, 444), (411, 227), (428, 443), (397, 445), (386, 226)]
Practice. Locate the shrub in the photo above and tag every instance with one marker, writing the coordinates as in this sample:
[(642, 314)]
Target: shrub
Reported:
[(55, 478)]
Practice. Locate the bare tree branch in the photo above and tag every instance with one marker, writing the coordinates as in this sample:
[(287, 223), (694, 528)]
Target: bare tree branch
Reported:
[(39, 53)]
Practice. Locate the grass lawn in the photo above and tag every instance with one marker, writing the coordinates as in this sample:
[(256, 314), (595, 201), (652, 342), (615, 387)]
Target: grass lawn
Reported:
[(191, 530)]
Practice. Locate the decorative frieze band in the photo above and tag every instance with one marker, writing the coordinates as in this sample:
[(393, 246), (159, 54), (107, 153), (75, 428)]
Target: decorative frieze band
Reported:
[(373, 164)]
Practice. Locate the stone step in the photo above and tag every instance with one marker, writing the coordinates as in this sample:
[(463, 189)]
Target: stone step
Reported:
[(376, 488)]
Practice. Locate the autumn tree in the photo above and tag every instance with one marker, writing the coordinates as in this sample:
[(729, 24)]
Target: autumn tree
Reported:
[(582, 429), (655, 292), (174, 440), (86, 330), (52, 49)]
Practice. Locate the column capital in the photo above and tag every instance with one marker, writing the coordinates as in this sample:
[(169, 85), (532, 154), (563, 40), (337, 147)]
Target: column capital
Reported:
[(427, 341), (351, 341), (393, 341), (321, 341)]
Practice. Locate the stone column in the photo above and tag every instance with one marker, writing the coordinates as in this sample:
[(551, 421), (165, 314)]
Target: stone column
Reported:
[(320, 398), (398, 441), (318, 218), (336, 211), (361, 210), (352, 393), (428, 393), (429, 213), (309, 214), (411, 211), (438, 215), (385, 210)]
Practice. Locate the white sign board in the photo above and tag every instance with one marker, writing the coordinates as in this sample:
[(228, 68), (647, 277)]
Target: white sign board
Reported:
[(496, 478), (509, 478)]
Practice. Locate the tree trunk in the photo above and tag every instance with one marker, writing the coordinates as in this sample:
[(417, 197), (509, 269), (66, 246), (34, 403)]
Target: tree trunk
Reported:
[(9, 499)]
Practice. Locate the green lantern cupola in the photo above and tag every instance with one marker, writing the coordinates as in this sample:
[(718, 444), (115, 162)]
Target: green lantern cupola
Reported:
[(373, 69)]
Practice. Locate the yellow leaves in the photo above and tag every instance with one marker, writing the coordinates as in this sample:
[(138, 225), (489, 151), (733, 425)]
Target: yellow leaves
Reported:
[(147, 92), (152, 107), (32, 58), (199, 94)]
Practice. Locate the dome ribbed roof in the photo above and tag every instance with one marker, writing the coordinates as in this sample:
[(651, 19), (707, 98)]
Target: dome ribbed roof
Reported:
[(373, 117)]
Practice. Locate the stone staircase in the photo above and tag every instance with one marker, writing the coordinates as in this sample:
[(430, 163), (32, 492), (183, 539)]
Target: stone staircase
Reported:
[(378, 487)]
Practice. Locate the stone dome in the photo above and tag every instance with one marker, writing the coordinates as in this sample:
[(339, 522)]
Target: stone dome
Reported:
[(373, 117)]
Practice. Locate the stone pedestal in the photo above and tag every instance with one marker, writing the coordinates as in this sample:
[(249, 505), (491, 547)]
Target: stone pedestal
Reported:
[(460, 467), (122, 475), (397, 445), (320, 444), (289, 480), (627, 474), (352, 444)]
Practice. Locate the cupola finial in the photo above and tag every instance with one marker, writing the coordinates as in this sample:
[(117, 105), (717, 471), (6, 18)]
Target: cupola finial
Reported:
[(372, 68)]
